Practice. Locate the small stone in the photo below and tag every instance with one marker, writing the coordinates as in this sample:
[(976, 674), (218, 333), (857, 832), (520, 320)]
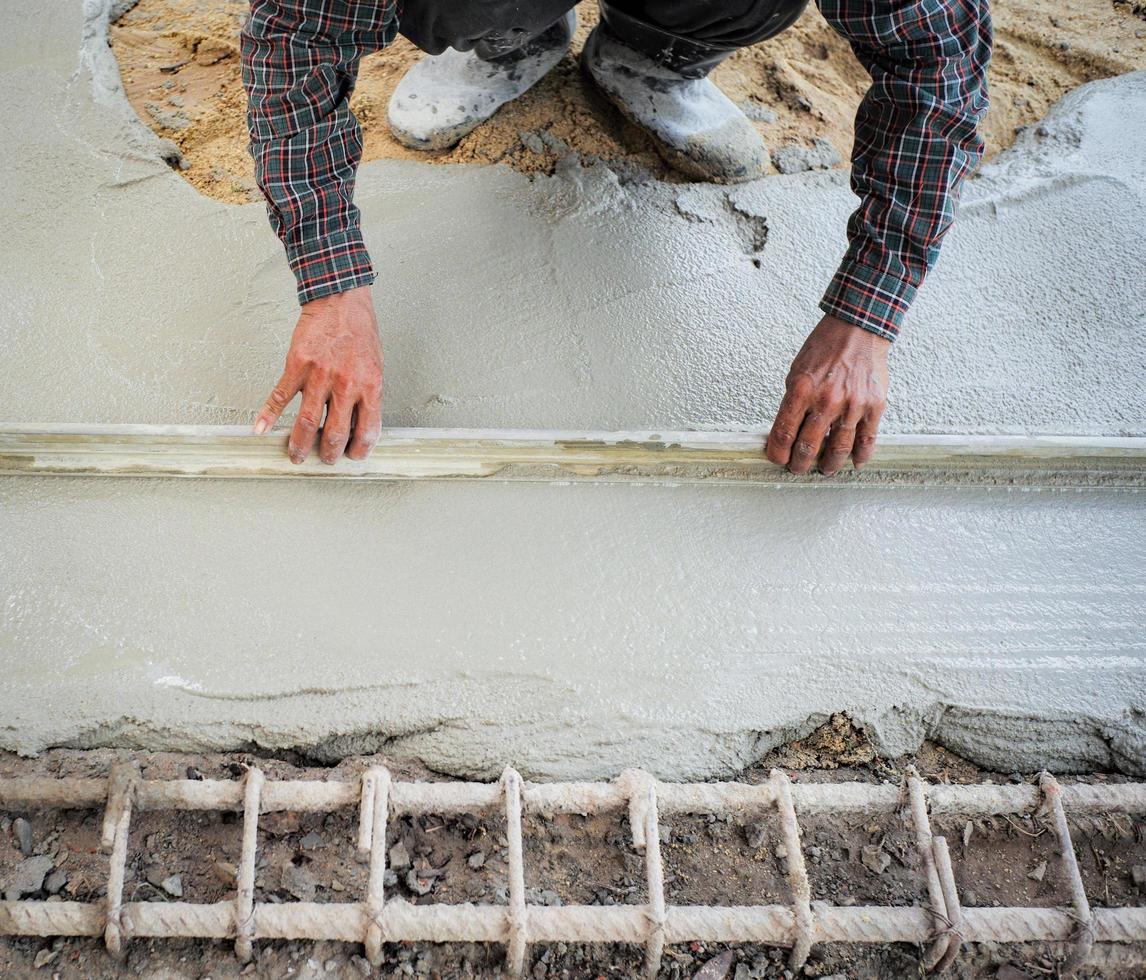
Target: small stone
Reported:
[(28, 878), (299, 882), (361, 964), (476, 860), (781, 851), (875, 858), (399, 857), (22, 831), (968, 829), (390, 879), (755, 835), (419, 886), (1138, 876), (544, 896), (173, 885), (55, 881), (280, 823), (312, 841), (44, 957), (336, 885), (717, 968), (225, 872), (1039, 872)]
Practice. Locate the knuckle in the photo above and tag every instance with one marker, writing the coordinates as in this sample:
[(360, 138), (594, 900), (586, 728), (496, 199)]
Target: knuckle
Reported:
[(333, 437), (804, 448), (308, 421), (842, 438), (781, 436), (801, 385)]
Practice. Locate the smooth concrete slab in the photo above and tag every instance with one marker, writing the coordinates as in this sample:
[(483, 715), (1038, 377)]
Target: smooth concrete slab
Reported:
[(571, 630)]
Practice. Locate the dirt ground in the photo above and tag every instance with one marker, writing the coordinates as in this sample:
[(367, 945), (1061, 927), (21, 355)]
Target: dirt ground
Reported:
[(570, 859), (180, 65)]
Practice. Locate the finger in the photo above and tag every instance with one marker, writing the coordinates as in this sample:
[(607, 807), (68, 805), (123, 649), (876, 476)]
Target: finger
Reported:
[(287, 387), (864, 447), (789, 418), (839, 446), (809, 441), (367, 428), (336, 429), (306, 426)]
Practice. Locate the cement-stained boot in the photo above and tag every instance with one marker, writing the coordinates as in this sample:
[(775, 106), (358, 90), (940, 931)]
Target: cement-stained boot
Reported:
[(445, 97), (697, 128)]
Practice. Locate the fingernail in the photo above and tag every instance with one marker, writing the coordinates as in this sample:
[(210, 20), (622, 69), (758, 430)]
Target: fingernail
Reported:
[(261, 427)]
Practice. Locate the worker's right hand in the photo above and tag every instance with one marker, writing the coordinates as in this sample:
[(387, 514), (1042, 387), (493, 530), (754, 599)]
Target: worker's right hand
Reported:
[(335, 360)]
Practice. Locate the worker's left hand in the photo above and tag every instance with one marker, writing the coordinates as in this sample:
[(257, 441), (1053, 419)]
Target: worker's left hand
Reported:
[(836, 393)]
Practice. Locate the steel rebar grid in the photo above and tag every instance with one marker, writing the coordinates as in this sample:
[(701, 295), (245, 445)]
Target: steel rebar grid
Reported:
[(945, 925)]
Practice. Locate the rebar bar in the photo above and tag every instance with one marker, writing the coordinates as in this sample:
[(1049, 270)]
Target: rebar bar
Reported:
[(944, 925)]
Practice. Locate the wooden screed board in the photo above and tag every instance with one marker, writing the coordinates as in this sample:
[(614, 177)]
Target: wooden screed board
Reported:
[(518, 454)]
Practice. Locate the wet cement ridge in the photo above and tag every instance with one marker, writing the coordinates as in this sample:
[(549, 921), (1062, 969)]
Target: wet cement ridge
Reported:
[(573, 630), (1074, 742)]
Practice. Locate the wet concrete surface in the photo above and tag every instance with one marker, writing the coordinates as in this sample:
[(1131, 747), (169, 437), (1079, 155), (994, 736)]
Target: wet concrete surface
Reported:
[(569, 630)]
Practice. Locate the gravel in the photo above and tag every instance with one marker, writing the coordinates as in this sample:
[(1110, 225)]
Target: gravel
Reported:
[(28, 877)]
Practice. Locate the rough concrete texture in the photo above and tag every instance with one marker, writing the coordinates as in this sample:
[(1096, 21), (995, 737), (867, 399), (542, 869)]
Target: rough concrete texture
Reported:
[(571, 630)]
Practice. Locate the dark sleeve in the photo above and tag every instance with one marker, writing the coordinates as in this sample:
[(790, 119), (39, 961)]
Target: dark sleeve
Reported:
[(917, 138), (300, 63)]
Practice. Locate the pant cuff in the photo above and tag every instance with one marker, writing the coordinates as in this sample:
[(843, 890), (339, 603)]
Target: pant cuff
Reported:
[(687, 57)]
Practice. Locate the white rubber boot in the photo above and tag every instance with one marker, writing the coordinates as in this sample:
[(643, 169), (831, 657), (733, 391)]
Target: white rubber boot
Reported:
[(445, 97), (696, 127)]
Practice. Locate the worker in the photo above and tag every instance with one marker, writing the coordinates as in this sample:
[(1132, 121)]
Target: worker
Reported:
[(916, 139)]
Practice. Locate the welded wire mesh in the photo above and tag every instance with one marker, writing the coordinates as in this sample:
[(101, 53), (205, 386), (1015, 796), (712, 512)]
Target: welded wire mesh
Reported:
[(942, 925)]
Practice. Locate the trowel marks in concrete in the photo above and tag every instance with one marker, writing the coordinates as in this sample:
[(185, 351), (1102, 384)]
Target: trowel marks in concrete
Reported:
[(581, 301), (571, 630)]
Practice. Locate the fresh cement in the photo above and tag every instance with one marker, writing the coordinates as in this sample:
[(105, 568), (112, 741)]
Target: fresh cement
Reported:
[(571, 630)]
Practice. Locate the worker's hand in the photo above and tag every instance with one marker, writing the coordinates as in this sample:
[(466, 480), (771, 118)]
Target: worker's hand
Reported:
[(836, 393), (335, 360)]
